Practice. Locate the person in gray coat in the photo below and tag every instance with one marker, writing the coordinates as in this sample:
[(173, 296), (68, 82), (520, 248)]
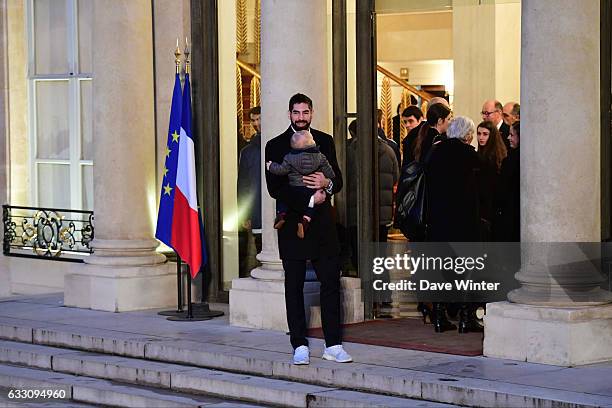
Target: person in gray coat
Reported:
[(303, 159)]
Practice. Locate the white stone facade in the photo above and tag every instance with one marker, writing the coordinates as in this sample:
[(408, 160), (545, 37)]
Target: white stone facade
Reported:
[(560, 198)]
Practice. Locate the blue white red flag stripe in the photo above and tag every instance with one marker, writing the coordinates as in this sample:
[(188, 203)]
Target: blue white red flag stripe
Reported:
[(186, 222)]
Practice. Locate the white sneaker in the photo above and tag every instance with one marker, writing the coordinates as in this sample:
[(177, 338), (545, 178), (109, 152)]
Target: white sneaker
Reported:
[(336, 353), (301, 356)]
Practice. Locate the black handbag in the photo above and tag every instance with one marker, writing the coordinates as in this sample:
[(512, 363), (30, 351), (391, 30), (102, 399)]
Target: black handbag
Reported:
[(412, 202), (412, 206)]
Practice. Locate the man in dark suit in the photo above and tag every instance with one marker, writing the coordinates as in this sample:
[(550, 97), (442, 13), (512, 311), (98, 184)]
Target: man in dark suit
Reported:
[(412, 118), (511, 113), (397, 119), (319, 245), (492, 111), (249, 195)]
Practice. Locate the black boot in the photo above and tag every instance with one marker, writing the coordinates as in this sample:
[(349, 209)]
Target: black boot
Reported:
[(440, 321), (467, 319), (425, 312)]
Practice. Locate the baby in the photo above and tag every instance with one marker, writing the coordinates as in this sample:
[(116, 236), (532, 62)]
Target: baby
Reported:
[(303, 159)]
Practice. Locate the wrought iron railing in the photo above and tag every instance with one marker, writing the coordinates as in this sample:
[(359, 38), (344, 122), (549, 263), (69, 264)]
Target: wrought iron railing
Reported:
[(49, 233)]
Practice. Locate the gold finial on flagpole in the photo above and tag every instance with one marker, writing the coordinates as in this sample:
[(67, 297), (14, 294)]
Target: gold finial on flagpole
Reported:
[(187, 60), (177, 57)]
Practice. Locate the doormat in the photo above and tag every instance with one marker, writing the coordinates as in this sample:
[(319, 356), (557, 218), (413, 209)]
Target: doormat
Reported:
[(411, 334)]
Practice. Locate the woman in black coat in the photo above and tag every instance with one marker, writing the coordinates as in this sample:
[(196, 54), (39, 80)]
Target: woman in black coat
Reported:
[(507, 226), (438, 118), (491, 152), (453, 204), (452, 186), (429, 132)]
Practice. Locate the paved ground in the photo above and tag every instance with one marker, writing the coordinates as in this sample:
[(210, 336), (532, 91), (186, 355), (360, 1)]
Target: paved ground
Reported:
[(593, 380)]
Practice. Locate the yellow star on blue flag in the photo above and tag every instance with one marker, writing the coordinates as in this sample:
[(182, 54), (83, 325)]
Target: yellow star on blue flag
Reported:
[(163, 232)]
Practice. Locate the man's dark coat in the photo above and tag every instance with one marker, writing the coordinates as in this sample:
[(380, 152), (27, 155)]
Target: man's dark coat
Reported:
[(321, 239), (504, 130), (249, 181)]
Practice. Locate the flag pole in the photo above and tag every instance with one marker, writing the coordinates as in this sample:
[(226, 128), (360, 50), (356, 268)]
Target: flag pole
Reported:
[(202, 309), (179, 282), (179, 291), (189, 305), (188, 316)]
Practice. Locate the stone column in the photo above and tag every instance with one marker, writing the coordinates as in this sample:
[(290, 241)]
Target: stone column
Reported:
[(294, 58), (5, 276), (486, 53), (4, 109), (17, 83), (172, 21), (303, 69), (125, 272), (560, 195)]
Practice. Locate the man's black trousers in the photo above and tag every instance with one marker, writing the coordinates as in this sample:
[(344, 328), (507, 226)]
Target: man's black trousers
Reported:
[(328, 273)]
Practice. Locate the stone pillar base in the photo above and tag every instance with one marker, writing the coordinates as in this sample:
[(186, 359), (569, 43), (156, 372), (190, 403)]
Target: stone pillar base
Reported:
[(5, 277), (350, 300), (556, 336), (260, 304), (120, 288)]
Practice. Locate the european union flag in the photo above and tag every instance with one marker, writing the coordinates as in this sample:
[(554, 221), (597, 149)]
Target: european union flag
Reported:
[(166, 201)]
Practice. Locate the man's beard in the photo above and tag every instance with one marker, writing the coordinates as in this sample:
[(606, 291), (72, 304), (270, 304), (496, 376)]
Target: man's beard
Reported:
[(301, 125)]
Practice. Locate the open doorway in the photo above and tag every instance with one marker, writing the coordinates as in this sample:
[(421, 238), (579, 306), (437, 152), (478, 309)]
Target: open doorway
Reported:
[(464, 53)]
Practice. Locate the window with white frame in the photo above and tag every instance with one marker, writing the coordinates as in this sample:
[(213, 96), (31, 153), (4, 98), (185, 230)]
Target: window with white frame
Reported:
[(60, 102)]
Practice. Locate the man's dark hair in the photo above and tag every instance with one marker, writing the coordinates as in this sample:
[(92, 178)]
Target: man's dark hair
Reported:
[(499, 106), (412, 111), (255, 110), (516, 110), (299, 98)]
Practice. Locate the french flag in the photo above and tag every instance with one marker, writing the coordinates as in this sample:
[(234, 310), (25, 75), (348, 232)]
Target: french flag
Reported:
[(187, 237)]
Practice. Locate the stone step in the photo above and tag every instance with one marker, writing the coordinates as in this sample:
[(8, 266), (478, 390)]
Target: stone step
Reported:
[(6, 402), (86, 390), (370, 378), (188, 379)]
